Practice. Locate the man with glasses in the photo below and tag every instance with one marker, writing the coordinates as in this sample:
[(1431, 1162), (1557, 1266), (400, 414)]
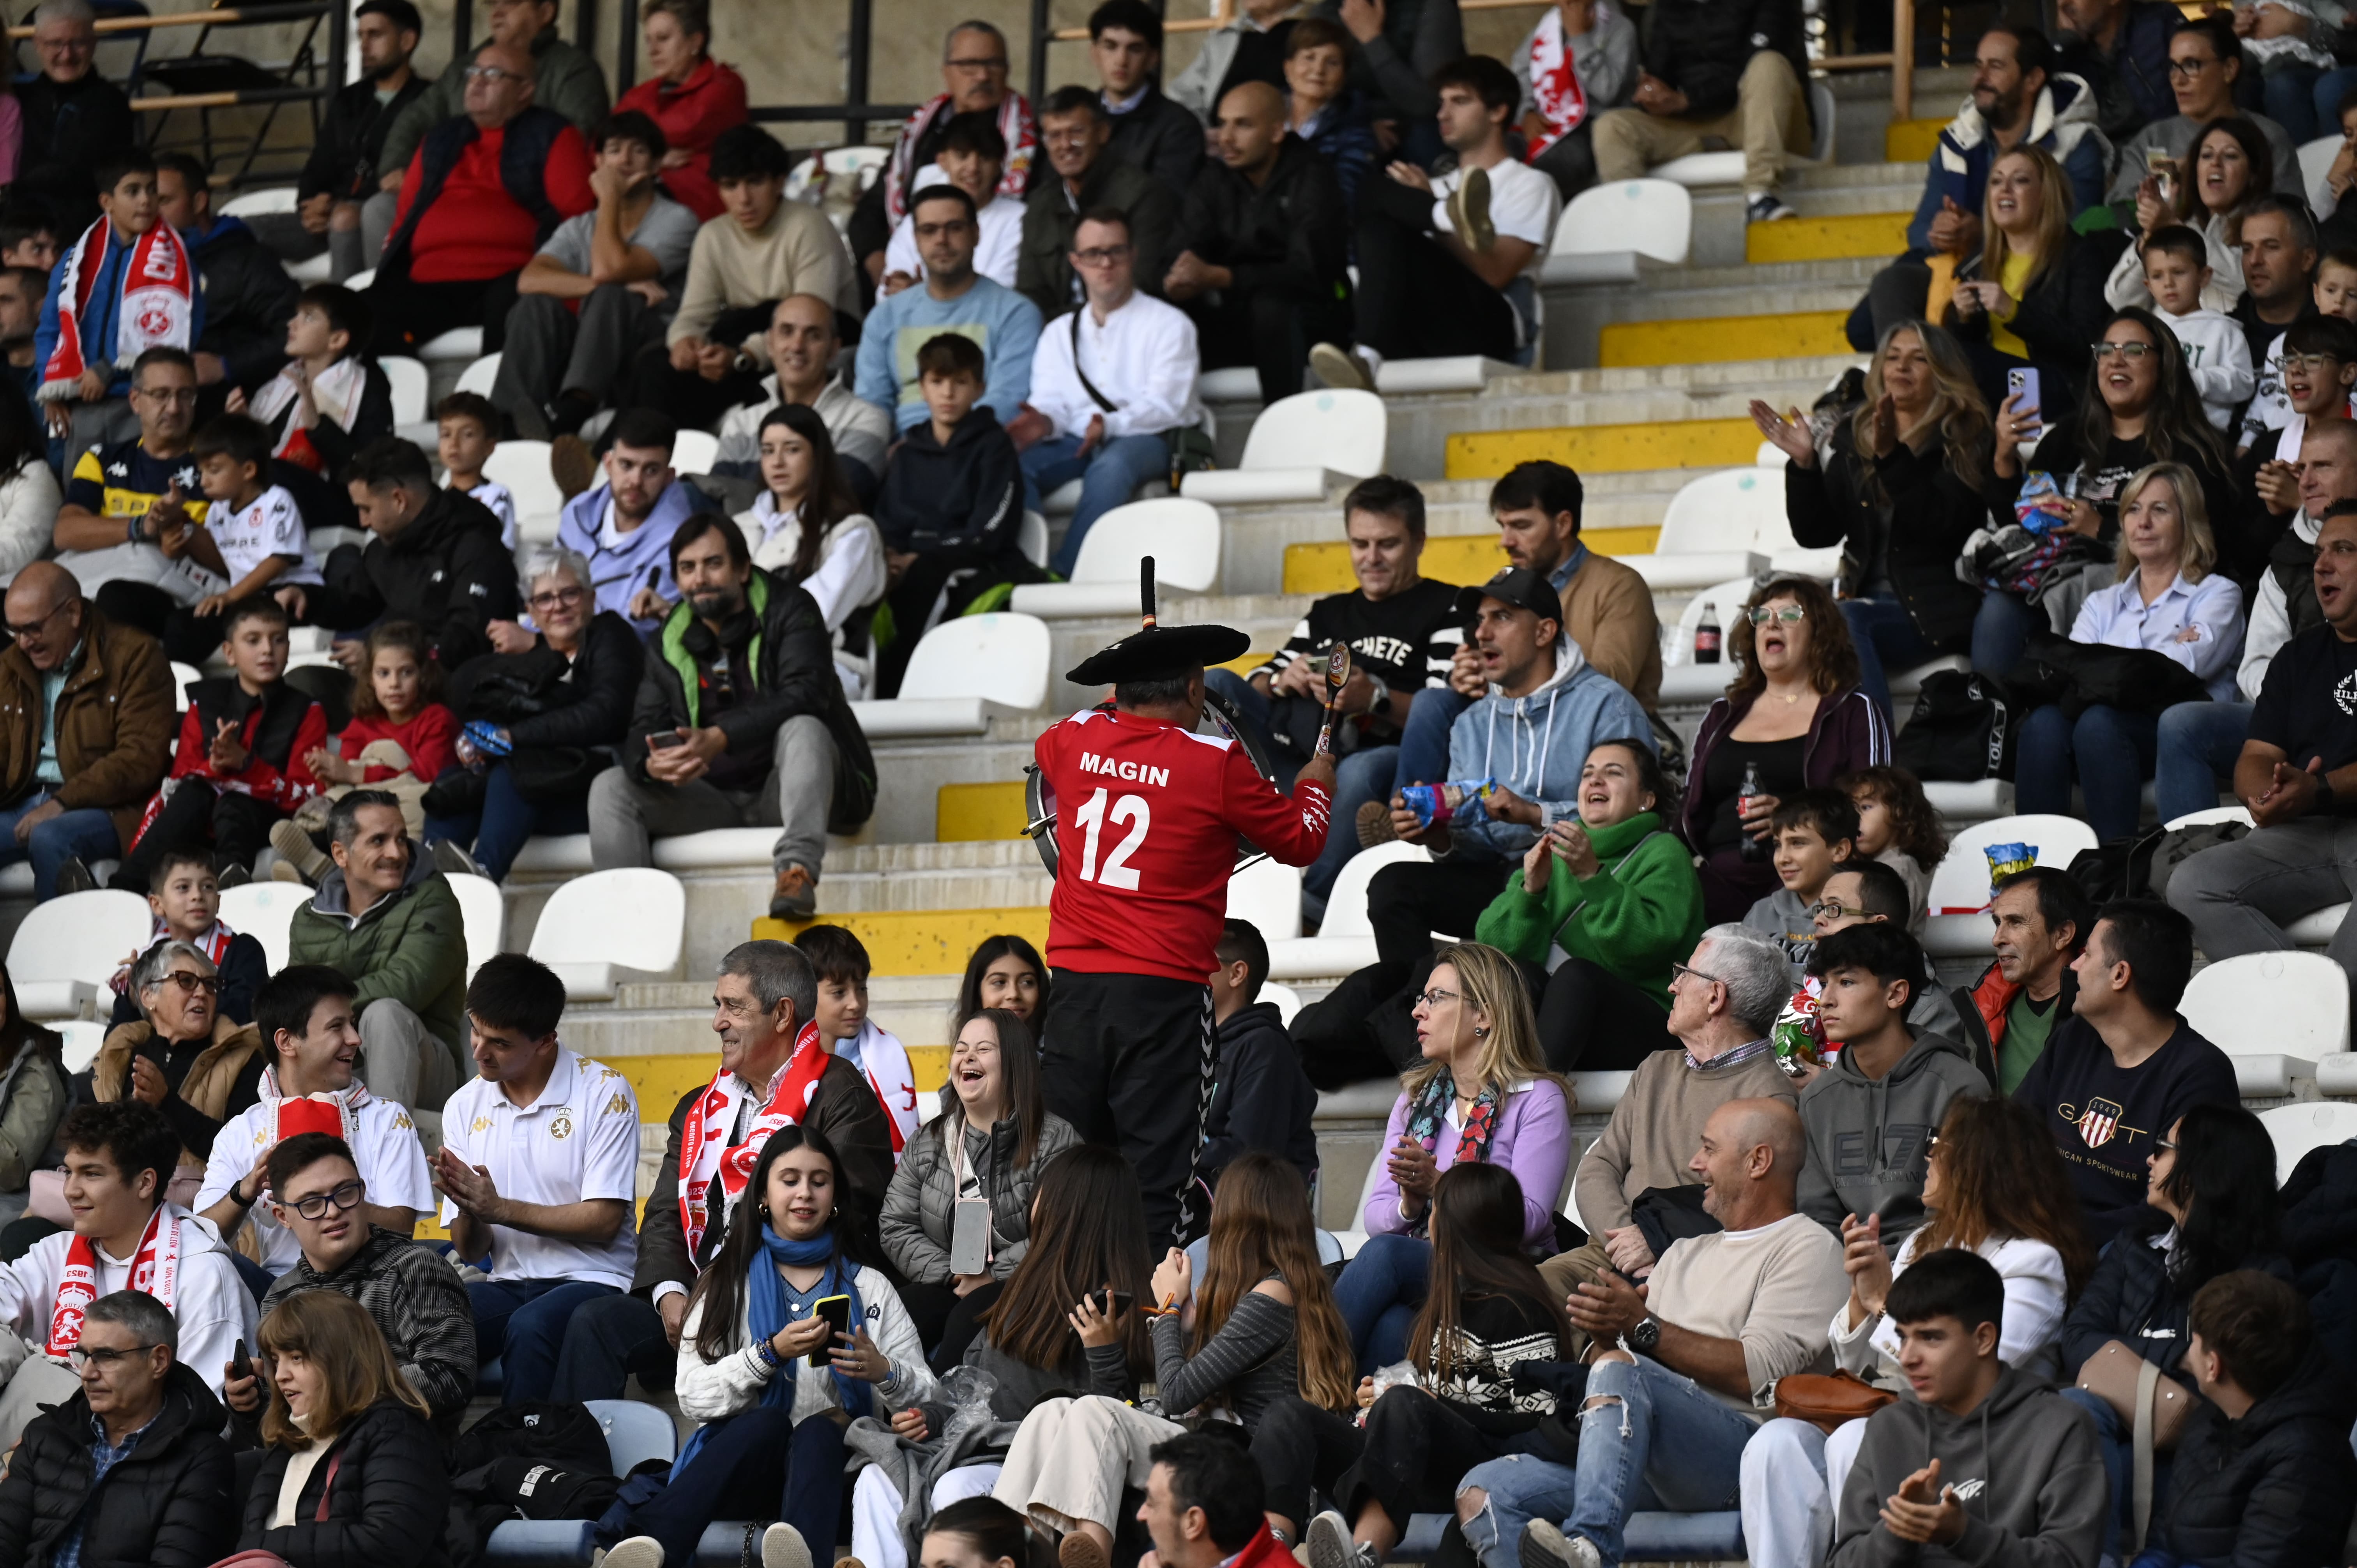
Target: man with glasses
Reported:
[(1868, 893), (973, 76), (317, 1195), (953, 298), (2205, 60), (119, 1158), (564, 78), (434, 557), (1113, 377), (487, 188), (86, 726), (121, 495), (308, 1023), (144, 1420), (75, 119), (1087, 176)]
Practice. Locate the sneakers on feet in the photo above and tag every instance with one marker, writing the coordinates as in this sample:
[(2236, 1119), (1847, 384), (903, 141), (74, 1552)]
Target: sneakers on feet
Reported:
[(451, 859), (233, 877), (796, 895), (1374, 824), (1077, 1550), (1545, 1545), (636, 1551), (1341, 367), (1765, 208), (1330, 1545), (295, 849), (1468, 209), (571, 465), (284, 871), (782, 1547), (73, 876)]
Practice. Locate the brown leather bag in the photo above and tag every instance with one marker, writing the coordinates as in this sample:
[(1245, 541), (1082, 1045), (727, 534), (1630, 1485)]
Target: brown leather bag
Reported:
[(1829, 1400), (2154, 1406)]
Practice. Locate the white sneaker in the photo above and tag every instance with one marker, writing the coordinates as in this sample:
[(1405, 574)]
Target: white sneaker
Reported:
[(1765, 208), (637, 1551), (1545, 1545), (1330, 1545), (782, 1547), (1340, 367)]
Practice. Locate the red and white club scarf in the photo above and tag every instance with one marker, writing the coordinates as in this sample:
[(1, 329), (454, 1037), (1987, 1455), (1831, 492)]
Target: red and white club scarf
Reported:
[(1555, 84), (159, 293), (335, 1114), (155, 1269), (703, 1157)]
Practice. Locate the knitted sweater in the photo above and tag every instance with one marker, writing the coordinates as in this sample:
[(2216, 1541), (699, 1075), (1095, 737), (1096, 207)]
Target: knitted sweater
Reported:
[(1641, 912), (1251, 1362), (1657, 1126)]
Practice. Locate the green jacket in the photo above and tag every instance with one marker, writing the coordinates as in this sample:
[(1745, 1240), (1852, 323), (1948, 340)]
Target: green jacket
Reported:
[(565, 78), (1638, 915), (411, 947)]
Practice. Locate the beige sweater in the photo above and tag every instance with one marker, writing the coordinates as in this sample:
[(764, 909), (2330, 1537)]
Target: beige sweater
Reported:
[(798, 253), (1657, 1127), (1775, 1288)]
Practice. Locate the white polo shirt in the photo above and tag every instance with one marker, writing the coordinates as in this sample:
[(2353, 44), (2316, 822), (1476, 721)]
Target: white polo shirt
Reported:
[(384, 1145), (578, 1141)]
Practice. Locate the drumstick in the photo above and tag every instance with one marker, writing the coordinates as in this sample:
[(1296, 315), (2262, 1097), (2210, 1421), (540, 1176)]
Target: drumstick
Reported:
[(1337, 675)]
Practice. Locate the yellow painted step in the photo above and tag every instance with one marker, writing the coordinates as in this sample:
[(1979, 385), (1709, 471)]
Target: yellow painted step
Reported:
[(659, 1080), (1722, 340), (921, 941), (1911, 140), (969, 813), (1324, 568), (1828, 239), (1606, 448)]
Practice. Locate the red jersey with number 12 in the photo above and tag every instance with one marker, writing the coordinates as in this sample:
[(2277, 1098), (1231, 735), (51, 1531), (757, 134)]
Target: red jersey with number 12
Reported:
[(1146, 819)]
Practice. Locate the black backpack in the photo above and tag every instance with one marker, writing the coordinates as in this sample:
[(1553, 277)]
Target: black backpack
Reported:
[(551, 1432), (1962, 729)]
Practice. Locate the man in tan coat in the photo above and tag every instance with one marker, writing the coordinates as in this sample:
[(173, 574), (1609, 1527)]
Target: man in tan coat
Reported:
[(86, 726)]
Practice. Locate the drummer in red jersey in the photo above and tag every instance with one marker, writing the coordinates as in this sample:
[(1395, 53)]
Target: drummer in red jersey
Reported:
[(1147, 813)]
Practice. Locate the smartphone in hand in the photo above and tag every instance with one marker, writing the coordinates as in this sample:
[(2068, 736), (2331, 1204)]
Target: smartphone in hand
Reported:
[(836, 1310)]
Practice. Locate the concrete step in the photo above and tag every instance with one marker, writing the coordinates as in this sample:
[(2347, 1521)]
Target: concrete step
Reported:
[(1857, 233), (1578, 319)]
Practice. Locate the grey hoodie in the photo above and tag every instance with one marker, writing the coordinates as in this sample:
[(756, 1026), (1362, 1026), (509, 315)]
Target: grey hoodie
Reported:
[(1537, 744), (1867, 1136), (2025, 1466)]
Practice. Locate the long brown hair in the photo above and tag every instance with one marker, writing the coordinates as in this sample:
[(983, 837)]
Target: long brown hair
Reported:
[(2000, 1179), (722, 1286), (1832, 658), (408, 636), (1088, 1230), (1477, 1250), (2175, 428), (829, 499), (2053, 219), (2256, 152), (1260, 1226), (1958, 416), (356, 1371)]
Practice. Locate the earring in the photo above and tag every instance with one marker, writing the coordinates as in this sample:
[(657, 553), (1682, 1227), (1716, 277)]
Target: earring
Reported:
[(1481, 1032), (765, 1211)]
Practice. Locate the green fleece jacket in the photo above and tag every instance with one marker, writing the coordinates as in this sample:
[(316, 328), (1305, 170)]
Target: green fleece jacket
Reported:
[(1639, 914), (410, 946)]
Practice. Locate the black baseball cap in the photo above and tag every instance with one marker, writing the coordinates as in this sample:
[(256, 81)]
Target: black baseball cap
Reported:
[(1516, 585)]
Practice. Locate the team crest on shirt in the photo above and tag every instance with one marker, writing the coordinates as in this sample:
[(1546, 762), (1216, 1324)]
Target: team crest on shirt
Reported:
[(479, 1124), (616, 1106), (2099, 1122), (402, 1122), (562, 1126)]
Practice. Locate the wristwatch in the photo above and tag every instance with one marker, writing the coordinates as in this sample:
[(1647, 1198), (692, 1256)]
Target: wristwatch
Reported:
[(1645, 1337)]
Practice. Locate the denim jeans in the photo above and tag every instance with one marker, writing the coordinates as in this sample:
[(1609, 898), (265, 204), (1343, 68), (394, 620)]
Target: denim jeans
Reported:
[(522, 1323), (1424, 739), (2198, 745), (1646, 1410), (747, 1460), (2116, 1438), (1379, 1294), (2288, 93), (2325, 97), (1884, 634), (89, 833), (1109, 476), (1365, 775), (498, 833), (2111, 753), (2001, 630), (2241, 895)]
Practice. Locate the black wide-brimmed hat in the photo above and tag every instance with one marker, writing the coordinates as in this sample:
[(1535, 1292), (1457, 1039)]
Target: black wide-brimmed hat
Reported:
[(1157, 652)]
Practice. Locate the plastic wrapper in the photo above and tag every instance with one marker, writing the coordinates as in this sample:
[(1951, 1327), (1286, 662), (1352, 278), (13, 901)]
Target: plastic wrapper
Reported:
[(2005, 859), (2042, 507), (1464, 800)]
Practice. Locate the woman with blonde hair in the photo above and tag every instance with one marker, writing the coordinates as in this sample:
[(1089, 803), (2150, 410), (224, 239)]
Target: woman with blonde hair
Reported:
[(2169, 601), (1482, 1095), (2034, 297), (1917, 449), (354, 1478)]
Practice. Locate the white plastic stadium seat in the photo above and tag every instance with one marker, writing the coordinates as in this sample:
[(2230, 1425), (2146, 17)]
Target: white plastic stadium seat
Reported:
[(1960, 883), (63, 955), (1686, 683), (964, 670), (2276, 1013), (1345, 943), (716, 849), (1346, 430), (1031, 538), (1704, 170), (265, 911), (2316, 927), (183, 677), (1182, 536), (522, 468), (484, 914), (1237, 383), (274, 198), (596, 929), (2316, 162), (408, 379), (694, 452), (1605, 227), (1267, 893), (1450, 373), (2296, 1129), (2212, 814), (557, 854), (479, 376), (459, 343), (360, 281), (83, 1036), (1769, 455)]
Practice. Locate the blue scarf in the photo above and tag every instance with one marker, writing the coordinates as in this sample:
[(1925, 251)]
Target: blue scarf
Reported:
[(771, 1310)]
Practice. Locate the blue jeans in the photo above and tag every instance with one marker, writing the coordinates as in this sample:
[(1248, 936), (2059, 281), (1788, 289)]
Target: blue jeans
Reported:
[(1253, 716), (2113, 752), (2116, 1438), (89, 833), (1648, 1410), (2325, 98), (1379, 1294), (2198, 745), (748, 1459), (1365, 775), (522, 1322), (1109, 476), (1884, 634), (1424, 739), (496, 833), (2289, 95), (2001, 630)]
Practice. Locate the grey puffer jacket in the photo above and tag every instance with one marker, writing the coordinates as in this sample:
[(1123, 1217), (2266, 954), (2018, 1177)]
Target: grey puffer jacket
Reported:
[(921, 1202)]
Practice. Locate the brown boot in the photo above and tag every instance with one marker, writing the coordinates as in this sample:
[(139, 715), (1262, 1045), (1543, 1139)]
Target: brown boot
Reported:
[(571, 465), (1374, 824), (796, 895)]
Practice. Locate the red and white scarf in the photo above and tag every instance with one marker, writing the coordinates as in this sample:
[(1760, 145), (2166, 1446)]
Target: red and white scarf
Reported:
[(335, 394), (705, 1155), (159, 291), (336, 1114), (884, 1061), (155, 1269), (1014, 123), (1555, 82)]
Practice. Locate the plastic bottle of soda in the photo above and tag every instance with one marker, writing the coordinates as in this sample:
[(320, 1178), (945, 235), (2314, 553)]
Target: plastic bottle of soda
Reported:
[(1753, 849), (1707, 637)]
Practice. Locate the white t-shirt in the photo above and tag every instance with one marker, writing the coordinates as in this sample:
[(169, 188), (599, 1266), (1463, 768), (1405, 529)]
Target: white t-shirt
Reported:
[(577, 1142), (272, 525), (384, 1145), (1523, 205), (210, 1303), (496, 495)]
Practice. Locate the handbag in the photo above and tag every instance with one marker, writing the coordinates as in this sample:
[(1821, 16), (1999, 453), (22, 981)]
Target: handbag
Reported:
[(2154, 1406), (257, 1558), (1829, 1400)]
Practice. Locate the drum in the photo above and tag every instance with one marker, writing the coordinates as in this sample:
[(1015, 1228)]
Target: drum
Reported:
[(1218, 718)]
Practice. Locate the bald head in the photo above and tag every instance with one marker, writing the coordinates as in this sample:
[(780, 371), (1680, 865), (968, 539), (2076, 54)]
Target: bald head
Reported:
[(1251, 129), (802, 342), (499, 85), (43, 611), (1750, 1161)]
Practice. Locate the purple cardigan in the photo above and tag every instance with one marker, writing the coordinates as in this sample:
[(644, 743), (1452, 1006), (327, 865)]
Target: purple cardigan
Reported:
[(1532, 1140)]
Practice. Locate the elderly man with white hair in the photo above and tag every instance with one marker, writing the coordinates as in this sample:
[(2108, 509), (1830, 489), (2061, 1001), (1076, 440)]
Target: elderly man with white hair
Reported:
[(75, 121)]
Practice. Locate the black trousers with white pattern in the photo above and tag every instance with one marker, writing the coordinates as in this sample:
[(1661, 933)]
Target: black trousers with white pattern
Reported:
[(1128, 1060)]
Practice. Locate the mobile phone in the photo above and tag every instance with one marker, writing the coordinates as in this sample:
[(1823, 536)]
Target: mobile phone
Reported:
[(2022, 384), (836, 1310), (2159, 165), (665, 740), (1119, 1302), (970, 1236), (241, 1365)]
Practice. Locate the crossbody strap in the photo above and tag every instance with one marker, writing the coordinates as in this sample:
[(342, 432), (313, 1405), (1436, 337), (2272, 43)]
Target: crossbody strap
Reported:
[(1087, 385)]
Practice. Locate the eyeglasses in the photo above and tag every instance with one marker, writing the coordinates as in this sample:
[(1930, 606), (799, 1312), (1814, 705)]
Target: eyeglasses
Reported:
[(560, 598), (1680, 971), (1762, 614), (2165, 1146), (1101, 255), (84, 1356), (1834, 909), (191, 983), (2308, 362), (317, 1205), (1434, 998), (2124, 350), (2186, 70), (22, 632), (491, 73)]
